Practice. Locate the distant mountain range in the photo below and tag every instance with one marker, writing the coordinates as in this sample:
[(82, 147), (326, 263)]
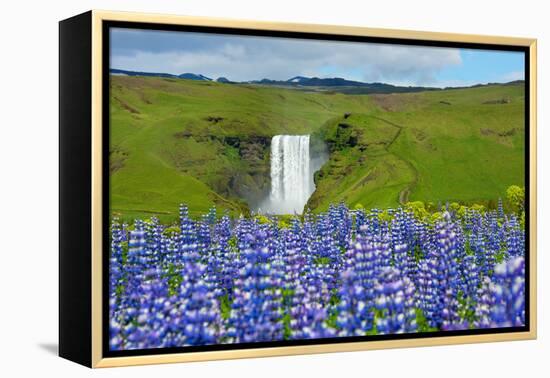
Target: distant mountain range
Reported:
[(187, 75), (336, 84)]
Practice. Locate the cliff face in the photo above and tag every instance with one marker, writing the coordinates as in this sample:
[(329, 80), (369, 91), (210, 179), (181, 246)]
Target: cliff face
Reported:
[(252, 182), (236, 167)]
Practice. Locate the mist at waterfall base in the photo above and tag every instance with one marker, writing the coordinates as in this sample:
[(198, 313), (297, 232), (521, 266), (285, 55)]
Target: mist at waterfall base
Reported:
[(292, 168)]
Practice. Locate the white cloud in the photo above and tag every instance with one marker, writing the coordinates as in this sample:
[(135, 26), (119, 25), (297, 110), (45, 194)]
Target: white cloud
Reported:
[(512, 76), (251, 58)]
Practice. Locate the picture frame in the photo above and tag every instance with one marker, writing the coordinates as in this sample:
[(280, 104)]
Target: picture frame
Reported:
[(85, 215)]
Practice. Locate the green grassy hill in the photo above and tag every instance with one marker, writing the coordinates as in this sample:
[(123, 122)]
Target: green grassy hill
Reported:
[(207, 143), (463, 145)]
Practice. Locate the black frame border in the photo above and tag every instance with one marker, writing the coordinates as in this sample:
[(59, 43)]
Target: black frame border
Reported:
[(107, 25)]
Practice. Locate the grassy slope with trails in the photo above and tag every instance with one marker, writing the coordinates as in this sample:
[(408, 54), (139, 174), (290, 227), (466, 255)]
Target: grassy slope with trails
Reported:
[(167, 143), (454, 145)]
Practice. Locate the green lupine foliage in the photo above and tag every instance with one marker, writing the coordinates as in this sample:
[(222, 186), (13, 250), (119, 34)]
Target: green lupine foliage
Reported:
[(174, 279), (287, 333), (422, 323), (225, 307), (124, 246), (322, 260)]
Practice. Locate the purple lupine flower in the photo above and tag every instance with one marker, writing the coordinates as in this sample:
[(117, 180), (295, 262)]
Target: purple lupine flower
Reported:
[(514, 237), (508, 293), (500, 209), (354, 312), (449, 276), (308, 315), (196, 319), (484, 304), (255, 314), (402, 243), (188, 247), (219, 280), (394, 298), (116, 259)]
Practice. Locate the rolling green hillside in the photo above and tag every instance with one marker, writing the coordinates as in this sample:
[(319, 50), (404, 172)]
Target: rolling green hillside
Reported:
[(207, 143), (463, 145)]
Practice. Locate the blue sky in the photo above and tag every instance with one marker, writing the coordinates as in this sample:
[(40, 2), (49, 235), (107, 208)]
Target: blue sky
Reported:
[(482, 66), (242, 58)]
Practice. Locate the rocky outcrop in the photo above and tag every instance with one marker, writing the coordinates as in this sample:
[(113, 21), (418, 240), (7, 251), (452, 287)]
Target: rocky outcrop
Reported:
[(253, 180), (345, 136)]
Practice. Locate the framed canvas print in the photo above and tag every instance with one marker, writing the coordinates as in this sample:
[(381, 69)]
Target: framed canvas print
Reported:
[(235, 189)]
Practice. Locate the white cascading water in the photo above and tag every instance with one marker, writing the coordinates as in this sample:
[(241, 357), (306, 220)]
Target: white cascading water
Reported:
[(291, 175)]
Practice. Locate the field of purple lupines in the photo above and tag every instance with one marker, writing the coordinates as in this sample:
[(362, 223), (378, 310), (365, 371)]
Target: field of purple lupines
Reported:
[(344, 272)]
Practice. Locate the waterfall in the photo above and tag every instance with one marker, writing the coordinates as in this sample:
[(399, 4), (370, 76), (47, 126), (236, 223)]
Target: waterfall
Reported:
[(291, 175)]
